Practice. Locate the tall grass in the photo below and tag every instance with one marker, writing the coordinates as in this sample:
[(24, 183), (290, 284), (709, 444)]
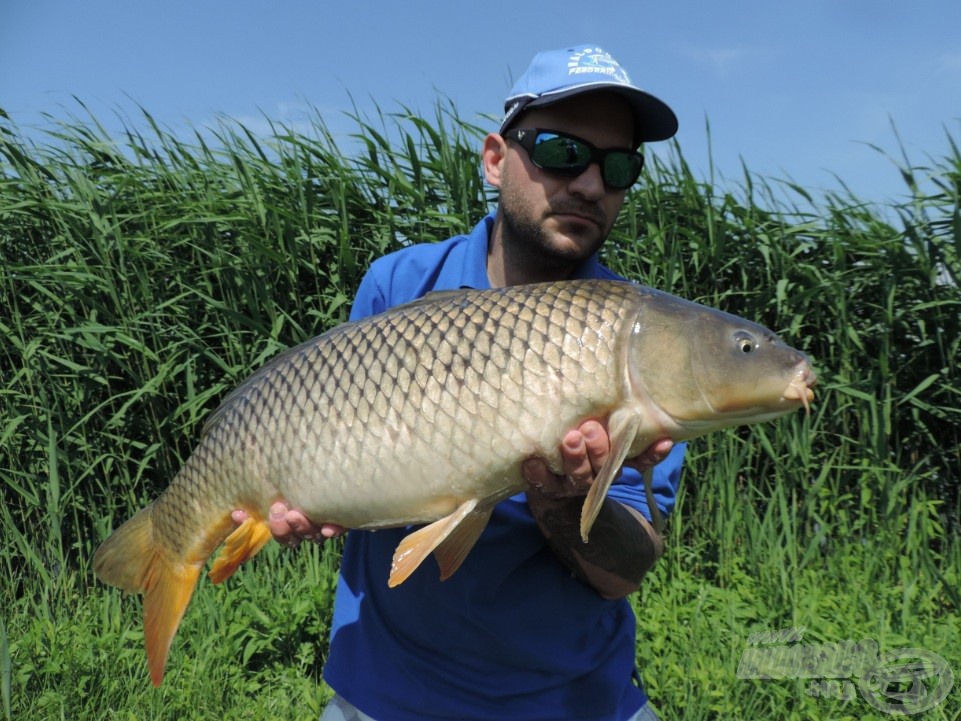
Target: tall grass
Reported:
[(142, 276)]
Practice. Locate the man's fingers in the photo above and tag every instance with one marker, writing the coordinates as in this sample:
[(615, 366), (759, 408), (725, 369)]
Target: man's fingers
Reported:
[(654, 454), (584, 451), (289, 526), (330, 530), (280, 527), (300, 526), (597, 444), (577, 461)]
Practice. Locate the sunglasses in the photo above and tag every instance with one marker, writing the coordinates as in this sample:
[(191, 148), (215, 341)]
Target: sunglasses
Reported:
[(570, 156)]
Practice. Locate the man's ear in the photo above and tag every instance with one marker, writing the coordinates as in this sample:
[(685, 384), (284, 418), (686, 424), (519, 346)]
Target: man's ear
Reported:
[(494, 154)]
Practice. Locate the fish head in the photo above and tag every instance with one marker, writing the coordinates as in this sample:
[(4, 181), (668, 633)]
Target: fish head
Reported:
[(704, 369)]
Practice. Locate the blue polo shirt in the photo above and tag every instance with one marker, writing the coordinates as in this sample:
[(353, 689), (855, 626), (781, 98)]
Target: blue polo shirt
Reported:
[(512, 635)]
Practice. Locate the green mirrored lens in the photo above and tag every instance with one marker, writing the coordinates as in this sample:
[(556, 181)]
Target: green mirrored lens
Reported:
[(559, 153), (621, 169)]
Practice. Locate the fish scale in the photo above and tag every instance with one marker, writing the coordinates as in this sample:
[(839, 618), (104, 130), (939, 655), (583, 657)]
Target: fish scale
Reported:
[(426, 413)]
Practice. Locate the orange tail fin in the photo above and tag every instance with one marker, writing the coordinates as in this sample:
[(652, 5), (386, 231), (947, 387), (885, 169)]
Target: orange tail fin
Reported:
[(168, 589), (132, 560)]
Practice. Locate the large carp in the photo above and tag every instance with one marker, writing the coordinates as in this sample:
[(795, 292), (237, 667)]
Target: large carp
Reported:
[(426, 413)]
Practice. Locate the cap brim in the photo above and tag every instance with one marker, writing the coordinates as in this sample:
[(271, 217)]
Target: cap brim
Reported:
[(653, 118)]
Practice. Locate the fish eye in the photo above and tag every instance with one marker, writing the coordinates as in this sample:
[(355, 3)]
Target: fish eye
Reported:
[(745, 342)]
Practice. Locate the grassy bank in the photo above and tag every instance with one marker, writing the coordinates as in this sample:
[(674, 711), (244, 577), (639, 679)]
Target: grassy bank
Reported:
[(142, 277)]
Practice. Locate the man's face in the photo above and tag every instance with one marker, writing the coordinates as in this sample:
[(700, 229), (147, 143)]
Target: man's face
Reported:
[(564, 220)]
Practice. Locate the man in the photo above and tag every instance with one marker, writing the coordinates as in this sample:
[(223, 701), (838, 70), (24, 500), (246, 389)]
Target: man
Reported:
[(535, 624)]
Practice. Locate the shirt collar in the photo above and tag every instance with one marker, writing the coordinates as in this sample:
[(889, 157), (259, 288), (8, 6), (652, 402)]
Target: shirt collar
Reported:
[(474, 272)]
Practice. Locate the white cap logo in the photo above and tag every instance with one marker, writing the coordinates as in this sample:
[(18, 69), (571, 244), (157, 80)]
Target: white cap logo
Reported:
[(595, 61)]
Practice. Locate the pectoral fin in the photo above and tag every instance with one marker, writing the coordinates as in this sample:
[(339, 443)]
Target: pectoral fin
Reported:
[(449, 539), (622, 428)]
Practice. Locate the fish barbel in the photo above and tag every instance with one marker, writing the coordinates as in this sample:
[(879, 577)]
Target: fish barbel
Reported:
[(426, 413)]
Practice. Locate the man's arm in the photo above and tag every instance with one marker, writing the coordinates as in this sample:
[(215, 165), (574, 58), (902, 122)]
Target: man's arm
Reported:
[(623, 546)]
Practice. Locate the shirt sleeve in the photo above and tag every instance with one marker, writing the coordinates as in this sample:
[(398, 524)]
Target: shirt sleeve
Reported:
[(370, 299)]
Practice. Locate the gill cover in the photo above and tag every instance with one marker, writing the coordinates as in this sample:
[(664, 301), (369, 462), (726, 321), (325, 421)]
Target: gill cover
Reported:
[(705, 369)]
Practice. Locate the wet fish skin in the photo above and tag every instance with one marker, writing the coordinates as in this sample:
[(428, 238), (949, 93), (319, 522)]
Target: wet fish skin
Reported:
[(426, 414)]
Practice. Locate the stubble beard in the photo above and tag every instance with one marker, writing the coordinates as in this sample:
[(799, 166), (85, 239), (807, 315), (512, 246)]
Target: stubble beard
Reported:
[(528, 244)]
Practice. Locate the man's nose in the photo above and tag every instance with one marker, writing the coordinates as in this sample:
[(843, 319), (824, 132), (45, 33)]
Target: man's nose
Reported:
[(589, 184)]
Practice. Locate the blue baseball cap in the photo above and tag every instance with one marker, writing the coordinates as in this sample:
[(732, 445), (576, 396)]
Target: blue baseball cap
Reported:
[(556, 75)]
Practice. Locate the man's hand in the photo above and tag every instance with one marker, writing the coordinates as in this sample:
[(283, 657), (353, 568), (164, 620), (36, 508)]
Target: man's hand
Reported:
[(623, 546), (290, 527), (584, 451)]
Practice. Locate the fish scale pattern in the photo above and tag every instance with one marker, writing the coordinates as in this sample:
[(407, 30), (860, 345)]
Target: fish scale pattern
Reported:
[(442, 398)]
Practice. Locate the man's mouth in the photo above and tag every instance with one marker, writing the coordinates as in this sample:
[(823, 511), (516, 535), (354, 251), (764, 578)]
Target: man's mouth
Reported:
[(579, 214)]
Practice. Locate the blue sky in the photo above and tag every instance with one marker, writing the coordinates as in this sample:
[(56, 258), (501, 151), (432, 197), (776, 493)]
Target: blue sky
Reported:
[(794, 89)]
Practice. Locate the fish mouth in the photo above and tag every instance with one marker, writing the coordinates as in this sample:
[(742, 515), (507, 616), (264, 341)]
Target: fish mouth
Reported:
[(801, 387)]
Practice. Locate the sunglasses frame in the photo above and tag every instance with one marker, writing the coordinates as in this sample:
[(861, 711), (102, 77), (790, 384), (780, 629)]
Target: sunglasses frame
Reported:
[(527, 139)]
